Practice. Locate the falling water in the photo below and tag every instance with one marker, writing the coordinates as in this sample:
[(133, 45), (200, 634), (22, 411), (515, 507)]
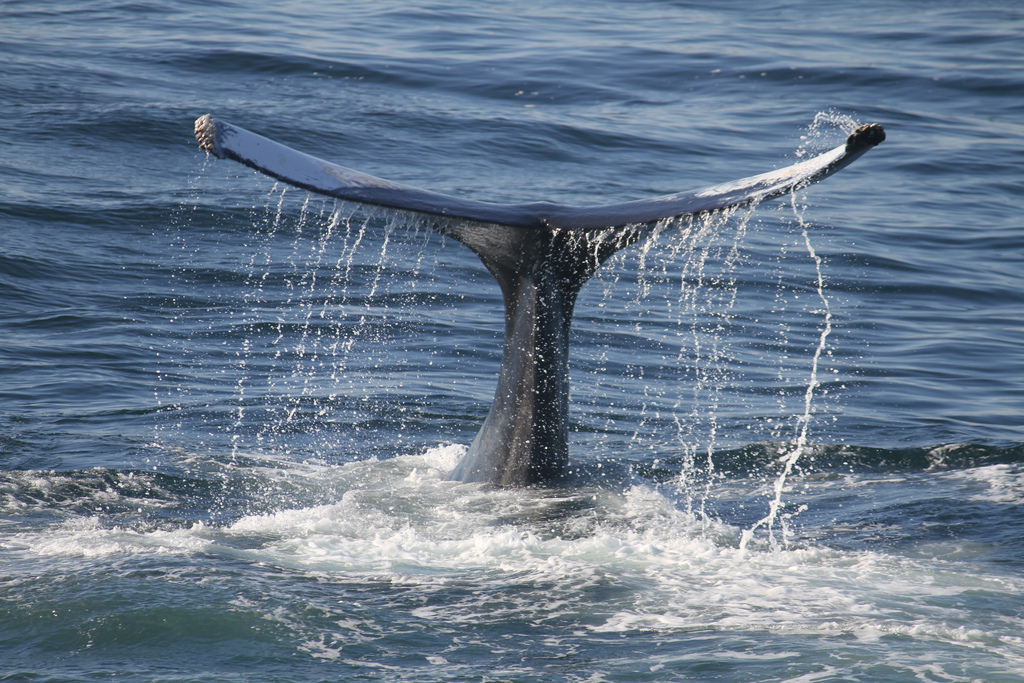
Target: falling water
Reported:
[(334, 289), (790, 458), (825, 125), (686, 271), (328, 296)]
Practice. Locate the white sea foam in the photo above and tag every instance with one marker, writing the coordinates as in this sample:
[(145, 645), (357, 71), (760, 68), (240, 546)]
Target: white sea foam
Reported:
[(89, 537), (1002, 484), (617, 561)]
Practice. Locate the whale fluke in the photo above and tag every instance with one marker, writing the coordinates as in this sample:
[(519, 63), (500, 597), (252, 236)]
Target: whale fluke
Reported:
[(541, 254), (226, 141)]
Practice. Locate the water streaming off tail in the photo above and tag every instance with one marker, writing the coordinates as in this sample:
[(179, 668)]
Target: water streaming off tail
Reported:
[(316, 329), (339, 332)]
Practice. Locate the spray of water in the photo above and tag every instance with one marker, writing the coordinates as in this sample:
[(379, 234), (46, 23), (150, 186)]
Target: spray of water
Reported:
[(799, 447), (826, 125), (303, 315), (709, 325)]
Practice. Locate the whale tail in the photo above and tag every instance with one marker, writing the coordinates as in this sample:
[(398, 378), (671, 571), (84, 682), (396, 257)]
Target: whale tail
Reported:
[(541, 254)]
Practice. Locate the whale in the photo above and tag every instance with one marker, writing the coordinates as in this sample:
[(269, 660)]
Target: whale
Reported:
[(540, 254)]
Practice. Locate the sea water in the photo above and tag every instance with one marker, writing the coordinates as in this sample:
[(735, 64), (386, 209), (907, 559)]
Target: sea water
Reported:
[(228, 408)]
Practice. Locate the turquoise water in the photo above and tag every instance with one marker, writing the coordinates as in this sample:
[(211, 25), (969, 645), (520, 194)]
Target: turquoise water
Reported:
[(227, 408)]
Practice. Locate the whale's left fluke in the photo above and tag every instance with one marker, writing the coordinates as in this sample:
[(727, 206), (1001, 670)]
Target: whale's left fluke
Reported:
[(541, 255)]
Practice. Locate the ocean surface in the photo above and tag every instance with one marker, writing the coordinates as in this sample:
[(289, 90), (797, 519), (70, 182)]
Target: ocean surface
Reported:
[(228, 408)]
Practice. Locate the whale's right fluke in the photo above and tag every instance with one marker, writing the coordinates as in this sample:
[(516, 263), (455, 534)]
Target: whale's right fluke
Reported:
[(541, 254)]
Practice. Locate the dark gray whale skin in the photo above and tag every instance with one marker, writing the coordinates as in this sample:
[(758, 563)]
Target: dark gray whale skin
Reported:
[(541, 254), (525, 438)]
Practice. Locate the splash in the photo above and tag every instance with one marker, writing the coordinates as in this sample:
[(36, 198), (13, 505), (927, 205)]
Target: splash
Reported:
[(829, 128), (400, 547)]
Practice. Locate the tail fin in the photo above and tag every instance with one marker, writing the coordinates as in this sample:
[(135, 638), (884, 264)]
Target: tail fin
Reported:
[(541, 255)]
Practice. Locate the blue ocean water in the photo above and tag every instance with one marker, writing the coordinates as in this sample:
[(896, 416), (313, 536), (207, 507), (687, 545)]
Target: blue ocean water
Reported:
[(227, 408)]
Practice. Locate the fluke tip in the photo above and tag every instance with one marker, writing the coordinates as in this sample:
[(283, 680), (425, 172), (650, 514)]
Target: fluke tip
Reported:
[(868, 135), (206, 134)]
